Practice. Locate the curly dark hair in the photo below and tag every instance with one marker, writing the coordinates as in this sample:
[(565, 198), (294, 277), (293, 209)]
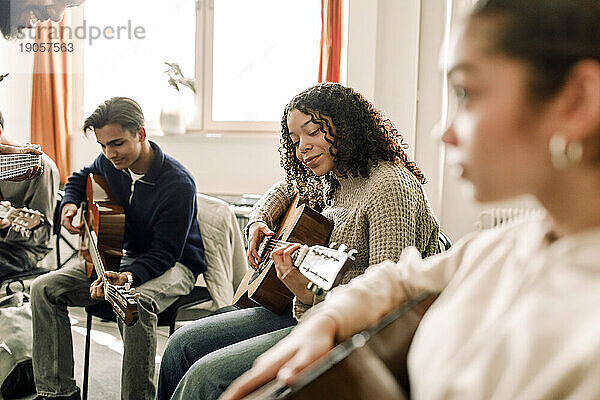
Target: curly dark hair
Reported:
[(363, 137)]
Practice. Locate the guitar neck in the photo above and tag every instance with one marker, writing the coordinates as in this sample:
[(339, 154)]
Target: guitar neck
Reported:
[(94, 253), (13, 165)]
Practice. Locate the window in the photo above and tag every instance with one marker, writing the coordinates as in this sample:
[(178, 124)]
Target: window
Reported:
[(128, 58), (248, 58), (263, 53)]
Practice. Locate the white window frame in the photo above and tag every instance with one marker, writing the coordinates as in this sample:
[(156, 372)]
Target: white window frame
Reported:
[(203, 121)]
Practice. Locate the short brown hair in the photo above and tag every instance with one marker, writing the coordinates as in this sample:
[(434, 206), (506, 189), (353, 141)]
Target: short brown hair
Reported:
[(118, 110)]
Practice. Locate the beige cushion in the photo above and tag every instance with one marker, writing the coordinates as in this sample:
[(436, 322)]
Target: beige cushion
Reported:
[(224, 250)]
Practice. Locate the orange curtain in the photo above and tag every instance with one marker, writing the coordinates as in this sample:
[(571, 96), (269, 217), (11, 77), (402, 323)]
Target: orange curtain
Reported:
[(331, 40), (49, 104)]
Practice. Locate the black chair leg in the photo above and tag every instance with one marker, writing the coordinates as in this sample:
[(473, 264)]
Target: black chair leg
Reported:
[(86, 363), (57, 250)]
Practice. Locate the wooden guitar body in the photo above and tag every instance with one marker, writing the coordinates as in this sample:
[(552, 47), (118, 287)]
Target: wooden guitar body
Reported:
[(300, 224), (370, 365), (105, 217), (102, 241)]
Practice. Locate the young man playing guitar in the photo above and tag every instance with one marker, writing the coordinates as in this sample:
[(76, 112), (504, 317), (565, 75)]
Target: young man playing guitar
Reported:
[(163, 252), (21, 250)]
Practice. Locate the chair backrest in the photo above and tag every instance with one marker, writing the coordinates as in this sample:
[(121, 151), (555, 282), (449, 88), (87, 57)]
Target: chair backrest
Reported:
[(224, 250)]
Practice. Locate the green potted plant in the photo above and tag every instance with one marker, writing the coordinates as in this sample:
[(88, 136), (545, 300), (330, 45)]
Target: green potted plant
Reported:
[(172, 120)]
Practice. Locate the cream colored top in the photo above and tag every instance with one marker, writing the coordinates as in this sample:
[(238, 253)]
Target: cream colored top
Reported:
[(518, 317), (378, 216)]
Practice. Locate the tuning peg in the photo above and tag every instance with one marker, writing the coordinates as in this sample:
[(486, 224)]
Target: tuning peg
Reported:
[(352, 254), (342, 247), (333, 245)]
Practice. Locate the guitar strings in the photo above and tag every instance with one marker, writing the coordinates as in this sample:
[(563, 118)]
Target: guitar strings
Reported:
[(12, 173), (15, 159), (275, 245), (13, 165), (18, 156)]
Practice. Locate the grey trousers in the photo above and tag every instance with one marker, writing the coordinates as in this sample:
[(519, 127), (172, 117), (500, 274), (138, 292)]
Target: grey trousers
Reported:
[(52, 293)]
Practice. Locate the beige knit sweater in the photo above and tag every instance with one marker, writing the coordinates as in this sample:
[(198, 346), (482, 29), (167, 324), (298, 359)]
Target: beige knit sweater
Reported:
[(378, 216)]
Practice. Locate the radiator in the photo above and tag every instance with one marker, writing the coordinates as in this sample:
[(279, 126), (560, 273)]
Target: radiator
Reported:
[(241, 204), (497, 217), (242, 214)]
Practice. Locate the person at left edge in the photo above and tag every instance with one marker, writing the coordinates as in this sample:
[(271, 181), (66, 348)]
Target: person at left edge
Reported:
[(16, 15), (20, 252), (163, 252)]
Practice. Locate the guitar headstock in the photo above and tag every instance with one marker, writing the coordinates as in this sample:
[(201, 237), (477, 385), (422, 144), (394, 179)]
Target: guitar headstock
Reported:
[(23, 220), (324, 266), (124, 302)]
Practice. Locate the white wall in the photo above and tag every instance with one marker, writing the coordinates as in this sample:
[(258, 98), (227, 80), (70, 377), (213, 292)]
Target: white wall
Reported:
[(383, 54), (228, 163)]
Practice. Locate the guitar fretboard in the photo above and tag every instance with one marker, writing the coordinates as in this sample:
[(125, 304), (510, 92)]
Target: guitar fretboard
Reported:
[(94, 253), (13, 165)]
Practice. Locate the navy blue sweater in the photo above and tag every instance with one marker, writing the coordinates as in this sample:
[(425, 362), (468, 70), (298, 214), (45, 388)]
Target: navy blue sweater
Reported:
[(160, 223)]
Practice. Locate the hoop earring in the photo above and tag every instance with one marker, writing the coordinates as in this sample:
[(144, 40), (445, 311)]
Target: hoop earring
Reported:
[(562, 154)]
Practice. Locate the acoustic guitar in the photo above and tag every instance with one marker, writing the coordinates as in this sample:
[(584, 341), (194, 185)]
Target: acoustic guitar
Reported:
[(369, 365), (13, 165), (299, 224), (101, 244), (22, 220)]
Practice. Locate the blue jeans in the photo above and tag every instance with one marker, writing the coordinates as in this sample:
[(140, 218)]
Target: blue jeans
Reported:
[(202, 358), (52, 293)]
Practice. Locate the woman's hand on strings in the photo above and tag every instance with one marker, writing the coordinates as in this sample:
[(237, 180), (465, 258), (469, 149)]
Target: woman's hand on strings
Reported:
[(256, 232)]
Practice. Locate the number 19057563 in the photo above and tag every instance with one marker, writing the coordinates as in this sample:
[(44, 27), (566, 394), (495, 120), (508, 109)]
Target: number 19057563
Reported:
[(46, 47)]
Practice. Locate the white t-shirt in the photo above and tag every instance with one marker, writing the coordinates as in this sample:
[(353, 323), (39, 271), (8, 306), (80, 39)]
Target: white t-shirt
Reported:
[(134, 178)]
